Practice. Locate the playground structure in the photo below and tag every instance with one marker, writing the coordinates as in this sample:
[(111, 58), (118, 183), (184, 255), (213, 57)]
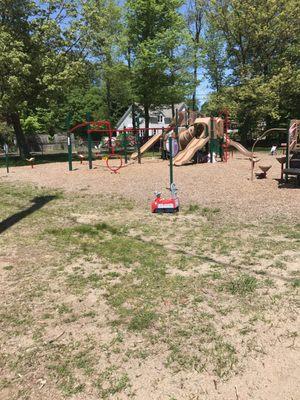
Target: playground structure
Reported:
[(192, 139), (124, 139), (192, 135), (211, 131), (292, 162), (100, 127)]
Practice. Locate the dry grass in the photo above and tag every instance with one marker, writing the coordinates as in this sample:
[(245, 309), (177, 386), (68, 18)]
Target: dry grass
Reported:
[(101, 299)]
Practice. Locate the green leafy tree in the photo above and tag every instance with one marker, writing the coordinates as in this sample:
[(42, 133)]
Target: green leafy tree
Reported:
[(15, 63), (157, 44), (103, 34), (38, 56), (31, 125), (196, 20), (261, 43), (215, 59)]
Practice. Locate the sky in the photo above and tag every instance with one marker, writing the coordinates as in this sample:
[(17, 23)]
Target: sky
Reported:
[(203, 90)]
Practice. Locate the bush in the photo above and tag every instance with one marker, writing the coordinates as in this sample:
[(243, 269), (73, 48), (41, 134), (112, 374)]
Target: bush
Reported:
[(31, 125)]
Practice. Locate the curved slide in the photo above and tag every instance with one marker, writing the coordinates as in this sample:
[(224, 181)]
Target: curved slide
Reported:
[(240, 148), (151, 142), (186, 155)]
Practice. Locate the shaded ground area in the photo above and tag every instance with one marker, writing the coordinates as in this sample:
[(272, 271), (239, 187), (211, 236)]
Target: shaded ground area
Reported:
[(102, 300)]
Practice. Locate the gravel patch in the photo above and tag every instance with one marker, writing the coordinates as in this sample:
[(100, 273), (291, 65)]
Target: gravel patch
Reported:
[(224, 185)]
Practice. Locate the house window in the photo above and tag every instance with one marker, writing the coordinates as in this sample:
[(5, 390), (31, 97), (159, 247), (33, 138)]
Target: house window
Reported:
[(168, 120), (160, 118), (153, 120)]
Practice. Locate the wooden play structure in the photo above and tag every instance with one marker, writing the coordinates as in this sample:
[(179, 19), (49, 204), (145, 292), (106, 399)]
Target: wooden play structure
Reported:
[(292, 157), (198, 139), (205, 132)]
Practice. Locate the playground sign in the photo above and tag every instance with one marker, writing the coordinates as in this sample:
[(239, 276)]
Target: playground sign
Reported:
[(175, 147)]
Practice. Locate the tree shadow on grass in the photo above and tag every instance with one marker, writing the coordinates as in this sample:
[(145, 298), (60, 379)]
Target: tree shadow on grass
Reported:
[(38, 203)]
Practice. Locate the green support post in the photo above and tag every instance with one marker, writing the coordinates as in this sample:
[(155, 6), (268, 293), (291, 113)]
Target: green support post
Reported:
[(6, 157), (176, 124), (171, 161), (90, 153), (287, 161), (211, 138), (69, 143), (221, 149), (138, 139)]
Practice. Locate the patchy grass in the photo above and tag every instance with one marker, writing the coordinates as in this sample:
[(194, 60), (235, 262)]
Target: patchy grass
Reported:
[(84, 304), (241, 285), (142, 320), (295, 283)]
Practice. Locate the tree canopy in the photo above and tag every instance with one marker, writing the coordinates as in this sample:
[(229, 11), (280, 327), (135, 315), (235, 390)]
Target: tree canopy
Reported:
[(75, 56)]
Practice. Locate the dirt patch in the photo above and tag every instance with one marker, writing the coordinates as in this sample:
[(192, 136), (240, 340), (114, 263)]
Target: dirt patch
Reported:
[(101, 299)]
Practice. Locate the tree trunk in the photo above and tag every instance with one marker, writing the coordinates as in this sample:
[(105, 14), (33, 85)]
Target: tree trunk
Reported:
[(147, 120), (195, 77), (108, 99), (107, 70), (14, 119), (133, 115), (244, 131)]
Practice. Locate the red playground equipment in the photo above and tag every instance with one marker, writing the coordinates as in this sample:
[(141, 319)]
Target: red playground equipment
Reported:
[(171, 205), (100, 127)]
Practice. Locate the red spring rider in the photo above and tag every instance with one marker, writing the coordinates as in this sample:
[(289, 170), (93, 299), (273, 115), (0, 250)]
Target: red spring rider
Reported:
[(160, 205)]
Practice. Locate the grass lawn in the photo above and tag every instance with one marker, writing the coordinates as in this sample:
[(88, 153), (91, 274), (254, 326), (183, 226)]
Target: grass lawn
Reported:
[(93, 288)]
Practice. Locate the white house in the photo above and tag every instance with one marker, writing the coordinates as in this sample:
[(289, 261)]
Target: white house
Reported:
[(159, 118)]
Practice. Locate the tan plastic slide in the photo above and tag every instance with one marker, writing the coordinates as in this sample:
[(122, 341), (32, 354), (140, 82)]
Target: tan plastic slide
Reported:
[(186, 155), (240, 148), (151, 142)]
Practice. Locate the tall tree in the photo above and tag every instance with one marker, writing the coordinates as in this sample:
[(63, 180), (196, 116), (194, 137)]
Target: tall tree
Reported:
[(15, 63), (215, 58), (157, 39), (262, 44), (37, 58), (195, 19), (103, 35)]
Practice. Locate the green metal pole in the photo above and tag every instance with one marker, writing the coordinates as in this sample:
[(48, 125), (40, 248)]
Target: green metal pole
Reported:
[(138, 140), (287, 160), (90, 154), (211, 138), (69, 143), (176, 124), (171, 161)]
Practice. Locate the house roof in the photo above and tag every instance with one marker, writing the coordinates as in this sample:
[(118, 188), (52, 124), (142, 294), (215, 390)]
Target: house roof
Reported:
[(165, 110)]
